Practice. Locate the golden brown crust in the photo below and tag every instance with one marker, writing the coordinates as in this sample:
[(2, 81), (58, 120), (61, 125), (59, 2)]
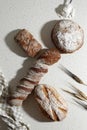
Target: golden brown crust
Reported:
[(44, 112), (28, 42), (39, 70), (51, 102), (24, 88), (50, 56)]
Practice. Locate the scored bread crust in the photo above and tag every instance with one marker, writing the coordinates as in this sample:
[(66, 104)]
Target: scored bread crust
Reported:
[(28, 43), (51, 102)]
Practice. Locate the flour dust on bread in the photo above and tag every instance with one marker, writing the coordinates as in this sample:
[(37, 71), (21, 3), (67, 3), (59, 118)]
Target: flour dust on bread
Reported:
[(51, 102), (29, 44), (67, 36), (33, 77)]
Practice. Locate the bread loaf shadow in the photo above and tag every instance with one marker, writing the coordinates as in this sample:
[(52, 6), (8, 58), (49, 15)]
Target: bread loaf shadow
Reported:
[(12, 45), (33, 109), (21, 72), (45, 33)]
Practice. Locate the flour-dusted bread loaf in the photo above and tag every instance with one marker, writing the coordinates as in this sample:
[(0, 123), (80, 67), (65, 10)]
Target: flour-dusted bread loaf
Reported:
[(67, 36), (51, 102), (26, 40), (49, 56), (33, 77)]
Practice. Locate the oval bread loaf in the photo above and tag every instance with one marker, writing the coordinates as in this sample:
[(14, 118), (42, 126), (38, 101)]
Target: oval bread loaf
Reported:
[(29, 44), (51, 102)]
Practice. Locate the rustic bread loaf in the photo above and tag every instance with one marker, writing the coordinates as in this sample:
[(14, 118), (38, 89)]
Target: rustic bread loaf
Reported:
[(33, 77), (29, 44), (51, 102), (67, 36)]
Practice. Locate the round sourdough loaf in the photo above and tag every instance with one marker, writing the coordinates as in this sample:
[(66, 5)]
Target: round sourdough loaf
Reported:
[(67, 36)]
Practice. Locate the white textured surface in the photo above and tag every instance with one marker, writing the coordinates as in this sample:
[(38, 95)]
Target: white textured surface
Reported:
[(38, 16)]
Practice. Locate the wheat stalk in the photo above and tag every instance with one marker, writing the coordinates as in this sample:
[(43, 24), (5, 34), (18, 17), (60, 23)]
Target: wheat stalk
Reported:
[(79, 96), (72, 75)]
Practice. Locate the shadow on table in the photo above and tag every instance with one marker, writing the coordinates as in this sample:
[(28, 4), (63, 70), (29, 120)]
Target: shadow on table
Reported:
[(12, 45), (45, 33), (32, 108), (3, 125), (21, 73)]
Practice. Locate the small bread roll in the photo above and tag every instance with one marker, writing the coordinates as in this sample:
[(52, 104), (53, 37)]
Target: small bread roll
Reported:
[(51, 102), (50, 56), (29, 44), (67, 36)]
